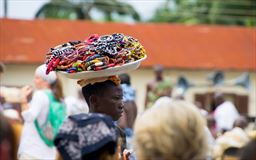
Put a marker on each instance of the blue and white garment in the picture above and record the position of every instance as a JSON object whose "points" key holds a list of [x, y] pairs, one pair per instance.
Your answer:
{"points": [[128, 92]]}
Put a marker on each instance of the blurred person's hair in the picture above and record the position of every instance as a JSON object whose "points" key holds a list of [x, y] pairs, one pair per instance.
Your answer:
{"points": [[171, 129], [57, 90], [241, 122], [125, 79], [96, 89]]}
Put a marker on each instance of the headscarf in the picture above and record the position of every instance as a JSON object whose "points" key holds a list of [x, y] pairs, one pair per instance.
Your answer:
{"points": [[83, 134], [41, 71]]}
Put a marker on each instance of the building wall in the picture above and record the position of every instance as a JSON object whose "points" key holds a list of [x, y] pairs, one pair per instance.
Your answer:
{"points": [[19, 75], [197, 77]]}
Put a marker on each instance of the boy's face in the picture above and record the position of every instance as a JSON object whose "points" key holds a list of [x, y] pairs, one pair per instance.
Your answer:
{"points": [[110, 102]]}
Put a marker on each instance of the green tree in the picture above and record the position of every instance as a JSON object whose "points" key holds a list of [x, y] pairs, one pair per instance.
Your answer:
{"points": [[107, 10], [235, 12]]}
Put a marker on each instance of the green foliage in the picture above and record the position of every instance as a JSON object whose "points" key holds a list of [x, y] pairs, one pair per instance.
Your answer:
{"points": [[232, 12], [60, 11], [110, 10]]}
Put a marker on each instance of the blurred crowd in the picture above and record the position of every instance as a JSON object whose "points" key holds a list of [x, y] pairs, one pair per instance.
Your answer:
{"points": [[102, 123]]}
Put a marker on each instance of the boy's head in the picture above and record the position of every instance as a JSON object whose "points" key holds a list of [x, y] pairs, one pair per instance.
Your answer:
{"points": [[104, 97]]}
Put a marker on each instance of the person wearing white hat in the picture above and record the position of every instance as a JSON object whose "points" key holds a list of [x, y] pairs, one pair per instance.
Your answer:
{"points": [[36, 115]]}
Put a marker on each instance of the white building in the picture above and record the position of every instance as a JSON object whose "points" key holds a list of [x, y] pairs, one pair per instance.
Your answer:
{"points": [[191, 51]]}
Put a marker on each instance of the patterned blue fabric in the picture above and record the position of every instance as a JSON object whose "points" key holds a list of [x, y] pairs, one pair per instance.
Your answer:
{"points": [[128, 92], [83, 134]]}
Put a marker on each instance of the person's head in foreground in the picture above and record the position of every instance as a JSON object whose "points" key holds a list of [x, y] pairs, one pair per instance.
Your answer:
{"points": [[170, 130], [104, 97], [87, 137]]}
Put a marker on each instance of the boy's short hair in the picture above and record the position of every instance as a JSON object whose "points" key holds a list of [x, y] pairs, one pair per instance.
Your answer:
{"points": [[96, 88]]}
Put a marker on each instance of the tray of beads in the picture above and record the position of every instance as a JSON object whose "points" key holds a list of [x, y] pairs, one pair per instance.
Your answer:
{"points": [[97, 56]]}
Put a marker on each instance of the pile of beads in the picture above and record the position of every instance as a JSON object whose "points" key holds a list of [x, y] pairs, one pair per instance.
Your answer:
{"points": [[95, 53]]}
